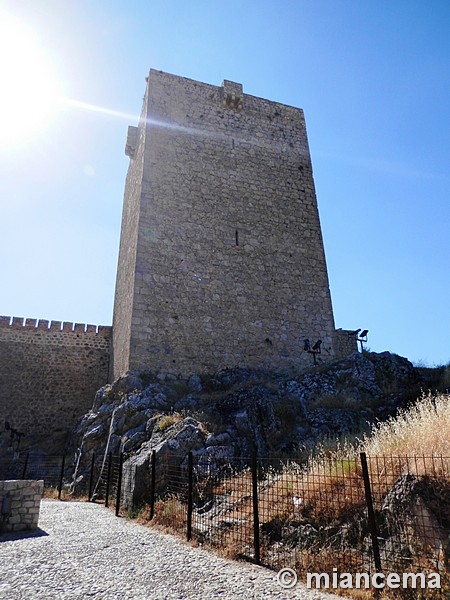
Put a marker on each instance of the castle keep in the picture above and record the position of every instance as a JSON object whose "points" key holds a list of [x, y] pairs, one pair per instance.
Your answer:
{"points": [[221, 259]]}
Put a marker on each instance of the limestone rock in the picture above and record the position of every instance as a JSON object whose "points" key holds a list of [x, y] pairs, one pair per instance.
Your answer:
{"points": [[171, 448], [243, 409], [195, 383]]}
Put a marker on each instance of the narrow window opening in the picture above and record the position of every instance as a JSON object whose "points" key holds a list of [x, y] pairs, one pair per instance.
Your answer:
{"points": [[236, 234], [232, 143]]}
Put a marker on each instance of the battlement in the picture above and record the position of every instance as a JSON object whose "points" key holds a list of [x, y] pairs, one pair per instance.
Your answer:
{"points": [[52, 370], [27, 324], [221, 259]]}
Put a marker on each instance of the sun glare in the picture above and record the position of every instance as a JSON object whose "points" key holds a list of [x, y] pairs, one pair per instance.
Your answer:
{"points": [[30, 87]]}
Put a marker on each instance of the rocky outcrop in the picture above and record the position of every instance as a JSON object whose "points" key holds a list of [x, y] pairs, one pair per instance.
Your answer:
{"points": [[237, 411], [171, 448], [417, 511]]}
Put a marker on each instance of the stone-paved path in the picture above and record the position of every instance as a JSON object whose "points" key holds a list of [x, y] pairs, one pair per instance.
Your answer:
{"points": [[84, 551]]}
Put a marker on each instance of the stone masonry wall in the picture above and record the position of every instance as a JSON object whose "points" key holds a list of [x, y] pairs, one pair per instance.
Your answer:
{"points": [[125, 279], [227, 256], [345, 342], [49, 374], [20, 502]]}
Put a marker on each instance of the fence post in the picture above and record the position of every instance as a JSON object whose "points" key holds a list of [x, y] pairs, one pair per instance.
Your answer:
{"points": [[108, 480], [370, 512], [190, 503], [152, 486], [91, 477], [119, 484], [255, 509], [63, 463], [25, 465]]}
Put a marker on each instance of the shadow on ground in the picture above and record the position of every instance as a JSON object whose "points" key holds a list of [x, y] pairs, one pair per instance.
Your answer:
{"points": [[12, 536]]}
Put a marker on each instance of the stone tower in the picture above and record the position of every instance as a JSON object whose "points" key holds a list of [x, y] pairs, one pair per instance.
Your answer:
{"points": [[221, 258]]}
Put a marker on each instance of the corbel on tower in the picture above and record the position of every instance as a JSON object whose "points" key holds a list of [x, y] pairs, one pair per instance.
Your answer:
{"points": [[132, 140]]}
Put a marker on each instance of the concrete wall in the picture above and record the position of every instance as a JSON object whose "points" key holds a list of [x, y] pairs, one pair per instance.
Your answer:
{"points": [[49, 374], [23, 501], [221, 234]]}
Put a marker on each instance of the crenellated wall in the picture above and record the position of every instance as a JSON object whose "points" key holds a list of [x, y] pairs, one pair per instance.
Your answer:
{"points": [[221, 260], [49, 374]]}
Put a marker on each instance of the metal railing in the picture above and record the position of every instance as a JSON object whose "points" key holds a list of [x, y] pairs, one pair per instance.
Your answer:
{"points": [[354, 514]]}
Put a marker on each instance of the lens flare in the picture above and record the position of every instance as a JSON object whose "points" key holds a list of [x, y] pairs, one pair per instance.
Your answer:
{"points": [[30, 86]]}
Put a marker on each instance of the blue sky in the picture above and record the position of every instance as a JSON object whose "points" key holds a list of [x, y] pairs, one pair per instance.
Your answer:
{"points": [[372, 77]]}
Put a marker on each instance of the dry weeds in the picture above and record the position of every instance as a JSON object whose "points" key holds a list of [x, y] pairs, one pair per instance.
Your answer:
{"points": [[423, 430], [327, 491]]}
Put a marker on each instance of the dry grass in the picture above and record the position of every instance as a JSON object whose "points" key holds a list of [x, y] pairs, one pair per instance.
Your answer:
{"points": [[167, 421], [417, 441], [171, 514], [329, 488], [141, 515], [325, 492], [423, 430], [51, 493], [238, 485]]}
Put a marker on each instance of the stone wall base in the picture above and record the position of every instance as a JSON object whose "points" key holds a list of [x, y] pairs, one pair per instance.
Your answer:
{"points": [[20, 501]]}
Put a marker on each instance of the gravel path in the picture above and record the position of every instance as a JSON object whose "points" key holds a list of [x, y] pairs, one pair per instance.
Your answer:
{"points": [[84, 551]]}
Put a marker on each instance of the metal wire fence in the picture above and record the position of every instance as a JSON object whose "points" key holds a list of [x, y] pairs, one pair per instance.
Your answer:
{"points": [[352, 514], [411, 499], [172, 504], [102, 482], [54, 470], [105, 480], [222, 512]]}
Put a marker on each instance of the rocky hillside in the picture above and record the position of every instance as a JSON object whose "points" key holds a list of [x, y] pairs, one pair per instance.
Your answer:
{"points": [[235, 411]]}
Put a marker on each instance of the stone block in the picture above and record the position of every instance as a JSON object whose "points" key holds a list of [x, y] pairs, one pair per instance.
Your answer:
{"points": [[28, 519], [10, 485], [14, 519]]}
